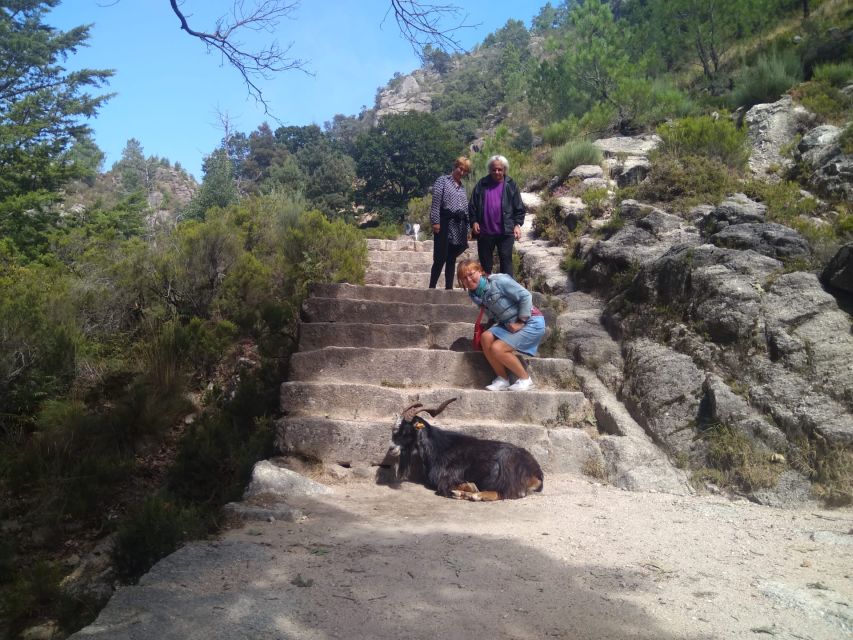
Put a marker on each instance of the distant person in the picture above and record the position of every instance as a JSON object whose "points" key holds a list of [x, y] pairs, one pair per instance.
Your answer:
{"points": [[519, 326], [497, 213], [449, 217]]}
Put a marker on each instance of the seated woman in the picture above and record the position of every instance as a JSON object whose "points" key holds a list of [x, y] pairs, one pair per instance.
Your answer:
{"points": [[519, 326]]}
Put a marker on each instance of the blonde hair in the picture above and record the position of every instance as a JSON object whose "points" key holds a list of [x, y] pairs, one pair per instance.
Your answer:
{"points": [[463, 163], [468, 266]]}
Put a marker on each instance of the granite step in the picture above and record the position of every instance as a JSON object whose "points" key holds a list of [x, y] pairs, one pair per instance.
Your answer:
{"points": [[366, 442], [399, 244], [390, 294], [400, 257], [397, 279], [316, 309], [356, 401], [455, 336], [405, 368]]}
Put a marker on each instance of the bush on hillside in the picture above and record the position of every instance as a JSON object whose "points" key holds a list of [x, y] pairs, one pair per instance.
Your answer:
{"points": [[558, 133], [824, 100], [683, 181], [837, 74], [717, 139], [574, 154], [767, 80]]}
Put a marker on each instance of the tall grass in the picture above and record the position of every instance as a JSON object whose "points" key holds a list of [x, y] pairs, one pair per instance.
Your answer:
{"points": [[574, 154], [768, 79]]}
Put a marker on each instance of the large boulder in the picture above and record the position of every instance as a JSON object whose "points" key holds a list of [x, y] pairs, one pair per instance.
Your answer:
{"points": [[770, 128], [838, 273], [662, 390], [831, 170], [736, 209], [766, 238]]}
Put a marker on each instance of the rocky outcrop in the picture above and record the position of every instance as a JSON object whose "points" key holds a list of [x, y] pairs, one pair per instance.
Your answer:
{"points": [[838, 272], [830, 169], [770, 128], [405, 93], [626, 158]]}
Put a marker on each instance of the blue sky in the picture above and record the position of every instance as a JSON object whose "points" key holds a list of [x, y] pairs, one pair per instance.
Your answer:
{"points": [[171, 92]]}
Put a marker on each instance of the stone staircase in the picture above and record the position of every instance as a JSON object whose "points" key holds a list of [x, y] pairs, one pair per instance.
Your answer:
{"points": [[367, 352]]}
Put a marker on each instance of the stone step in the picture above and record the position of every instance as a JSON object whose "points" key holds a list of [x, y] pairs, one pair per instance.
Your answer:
{"points": [[401, 267], [366, 442], [403, 368], [390, 294], [351, 401], [455, 336], [316, 309], [400, 257], [400, 244], [397, 279]]}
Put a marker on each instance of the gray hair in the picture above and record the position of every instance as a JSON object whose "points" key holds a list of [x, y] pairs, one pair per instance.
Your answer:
{"points": [[500, 159]]}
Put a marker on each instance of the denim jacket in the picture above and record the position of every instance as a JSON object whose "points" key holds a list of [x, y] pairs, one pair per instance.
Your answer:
{"points": [[504, 299]]}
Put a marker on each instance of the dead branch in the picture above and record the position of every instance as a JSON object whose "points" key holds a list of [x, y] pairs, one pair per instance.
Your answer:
{"points": [[421, 24], [264, 15]]}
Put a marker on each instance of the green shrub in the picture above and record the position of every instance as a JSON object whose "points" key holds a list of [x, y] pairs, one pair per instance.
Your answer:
{"points": [[736, 459], [599, 121], [573, 154], [837, 74], [824, 100], [717, 139], [154, 530], [558, 133], [595, 199], [385, 231], [685, 181], [845, 140], [201, 343], [784, 200], [316, 250], [771, 76], [829, 467]]}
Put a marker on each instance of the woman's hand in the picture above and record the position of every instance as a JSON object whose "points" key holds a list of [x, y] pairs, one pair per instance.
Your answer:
{"points": [[515, 327], [436, 228]]}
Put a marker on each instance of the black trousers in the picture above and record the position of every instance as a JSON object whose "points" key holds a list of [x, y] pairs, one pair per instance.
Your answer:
{"points": [[486, 250], [444, 257]]}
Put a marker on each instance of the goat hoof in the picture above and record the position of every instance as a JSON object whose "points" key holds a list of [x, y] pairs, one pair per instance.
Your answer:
{"points": [[475, 497]]}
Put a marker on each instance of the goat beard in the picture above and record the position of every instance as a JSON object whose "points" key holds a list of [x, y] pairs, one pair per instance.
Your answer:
{"points": [[409, 466]]}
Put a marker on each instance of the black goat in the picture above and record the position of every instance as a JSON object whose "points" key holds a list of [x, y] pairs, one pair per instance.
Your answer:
{"points": [[460, 466]]}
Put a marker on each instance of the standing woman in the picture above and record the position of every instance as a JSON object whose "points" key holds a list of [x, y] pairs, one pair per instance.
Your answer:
{"points": [[449, 217], [497, 213], [519, 326]]}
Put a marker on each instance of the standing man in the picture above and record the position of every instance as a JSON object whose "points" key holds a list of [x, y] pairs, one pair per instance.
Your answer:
{"points": [[497, 213]]}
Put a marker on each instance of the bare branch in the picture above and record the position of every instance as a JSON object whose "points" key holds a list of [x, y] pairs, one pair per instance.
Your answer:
{"points": [[264, 15], [421, 24]]}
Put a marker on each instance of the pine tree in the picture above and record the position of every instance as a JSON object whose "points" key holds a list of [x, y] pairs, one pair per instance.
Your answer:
{"points": [[42, 107]]}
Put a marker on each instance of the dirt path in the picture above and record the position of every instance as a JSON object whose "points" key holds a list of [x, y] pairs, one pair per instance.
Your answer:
{"points": [[580, 561]]}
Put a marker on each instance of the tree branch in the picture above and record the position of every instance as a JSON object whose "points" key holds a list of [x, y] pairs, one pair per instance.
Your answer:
{"points": [[253, 66], [421, 24]]}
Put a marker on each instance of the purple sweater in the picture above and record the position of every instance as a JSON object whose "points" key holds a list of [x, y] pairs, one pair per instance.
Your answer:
{"points": [[492, 218]]}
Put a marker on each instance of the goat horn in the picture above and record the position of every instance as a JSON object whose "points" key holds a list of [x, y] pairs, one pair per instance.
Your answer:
{"points": [[435, 412], [410, 411]]}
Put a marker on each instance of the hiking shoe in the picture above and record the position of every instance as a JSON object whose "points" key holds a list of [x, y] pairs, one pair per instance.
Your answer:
{"points": [[522, 384], [498, 384]]}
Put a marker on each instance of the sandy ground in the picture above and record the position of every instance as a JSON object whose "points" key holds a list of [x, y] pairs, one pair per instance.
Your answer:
{"points": [[579, 561]]}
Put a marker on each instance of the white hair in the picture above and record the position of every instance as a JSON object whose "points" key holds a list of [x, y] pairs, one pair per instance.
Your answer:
{"points": [[501, 159]]}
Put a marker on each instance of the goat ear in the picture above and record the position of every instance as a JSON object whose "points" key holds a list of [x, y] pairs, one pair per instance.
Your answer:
{"points": [[418, 424]]}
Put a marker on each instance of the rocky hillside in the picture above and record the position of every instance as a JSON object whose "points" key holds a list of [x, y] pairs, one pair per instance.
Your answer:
{"points": [[734, 358]]}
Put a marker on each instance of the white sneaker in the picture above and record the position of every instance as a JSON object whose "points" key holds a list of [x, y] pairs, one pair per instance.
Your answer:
{"points": [[498, 384], [522, 384]]}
